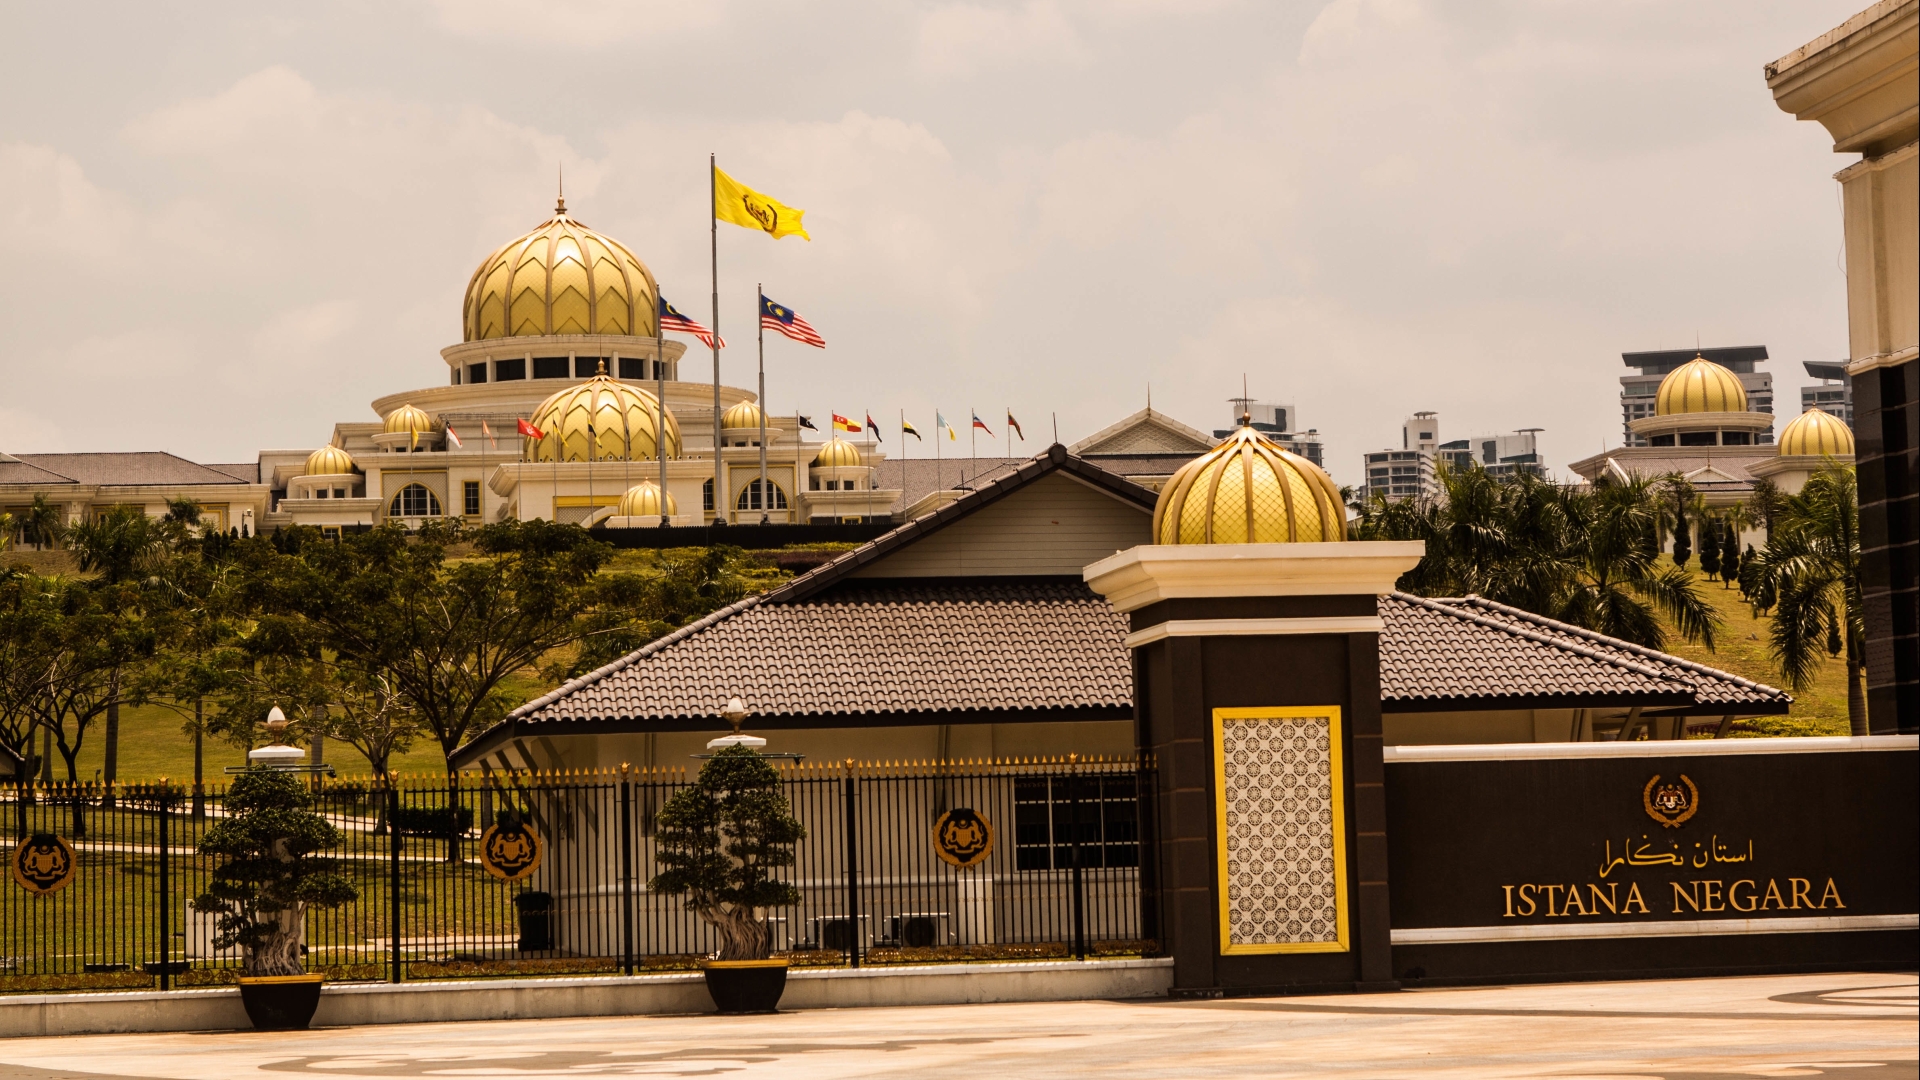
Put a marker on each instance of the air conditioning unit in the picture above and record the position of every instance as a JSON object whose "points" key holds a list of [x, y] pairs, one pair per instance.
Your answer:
{"points": [[919, 929], [838, 932]]}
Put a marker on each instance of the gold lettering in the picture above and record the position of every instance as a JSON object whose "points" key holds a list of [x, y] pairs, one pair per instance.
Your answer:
{"points": [[1595, 898], [1773, 897], [1800, 886], [1634, 897], [1733, 896], [1574, 901], [1833, 892], [1551, 889], [1508, 889], [1686, 894], [1526, 897], [1711, 893]]}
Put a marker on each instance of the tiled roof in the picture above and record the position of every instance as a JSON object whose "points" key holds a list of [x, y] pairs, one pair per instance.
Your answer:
{"points": [[860, 650], [1708, 686], [15, 471], [126, 469], [916, 478], [247, 472]]}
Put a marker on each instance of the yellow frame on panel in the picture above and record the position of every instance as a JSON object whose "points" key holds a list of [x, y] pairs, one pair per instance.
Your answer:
{"points": [[1338, 791]]}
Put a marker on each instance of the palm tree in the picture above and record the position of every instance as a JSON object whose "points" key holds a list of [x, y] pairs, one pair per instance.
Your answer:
{"points": [[1809, 575], [44, 523]]}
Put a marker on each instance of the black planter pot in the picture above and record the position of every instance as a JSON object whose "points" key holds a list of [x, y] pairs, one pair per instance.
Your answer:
{"points": [[280, 1002], [746, 986]]}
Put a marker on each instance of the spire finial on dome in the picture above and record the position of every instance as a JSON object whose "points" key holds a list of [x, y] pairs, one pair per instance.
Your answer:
{"points": [[560, 203], [603, 367]]}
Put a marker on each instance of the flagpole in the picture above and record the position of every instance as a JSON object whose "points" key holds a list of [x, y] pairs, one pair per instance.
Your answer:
{"points": [[939, 475], [660, 403], [760, 304], [713, 205], [973, 445]]}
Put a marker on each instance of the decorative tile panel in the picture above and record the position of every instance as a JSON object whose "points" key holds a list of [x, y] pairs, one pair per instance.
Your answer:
{"points": [[1282, 850]]}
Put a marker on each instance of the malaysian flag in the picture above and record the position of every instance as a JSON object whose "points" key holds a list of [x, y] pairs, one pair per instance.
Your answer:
{"points": [[782, 320], [671, 319]]}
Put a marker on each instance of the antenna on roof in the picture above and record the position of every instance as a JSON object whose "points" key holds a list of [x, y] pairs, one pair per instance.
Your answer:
{"points": [[1056, 427]]}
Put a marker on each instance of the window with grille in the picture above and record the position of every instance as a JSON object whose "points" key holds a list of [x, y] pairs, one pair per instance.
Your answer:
{"points": [[750, 498], [414, 500], [470, 497], [706, 496], [1052, 813]]}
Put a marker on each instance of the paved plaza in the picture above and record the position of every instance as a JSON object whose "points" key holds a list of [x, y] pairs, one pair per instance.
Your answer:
{"points": [[1851, 1026]]}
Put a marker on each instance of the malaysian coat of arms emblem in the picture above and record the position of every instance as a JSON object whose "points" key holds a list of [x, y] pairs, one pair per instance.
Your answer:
{"points": [[510, 849], [962, 837], [44, 863], [1670, 804]]}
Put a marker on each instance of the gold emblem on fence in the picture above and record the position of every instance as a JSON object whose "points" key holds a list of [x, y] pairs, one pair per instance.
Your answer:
{"points": [[962, 837], [510, 850], [43, 863], [1670, 804]]}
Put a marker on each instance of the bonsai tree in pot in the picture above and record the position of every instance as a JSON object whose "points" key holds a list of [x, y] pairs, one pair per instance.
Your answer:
{"points": [[719, 839], [268, 877]]}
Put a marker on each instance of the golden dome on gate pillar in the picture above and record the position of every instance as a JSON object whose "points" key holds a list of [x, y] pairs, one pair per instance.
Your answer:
{"points": [[406, 419], [1818, 434], [624, 420], [561, 278], [838, 453], [643, 500], [1700, 386], [329, 461], [744, 415], [1249, 491]]}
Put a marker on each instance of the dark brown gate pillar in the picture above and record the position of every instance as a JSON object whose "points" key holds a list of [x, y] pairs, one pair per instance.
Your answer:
{"points": [[1257, 691]]}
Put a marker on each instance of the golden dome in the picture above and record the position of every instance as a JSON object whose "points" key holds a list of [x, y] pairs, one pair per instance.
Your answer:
{"points": [[744, 415], [623, 419], [643, 500], [1698, 386], [837, 453], [1249, 491], [406, 418], [561, 278], [329, 461], [1817, 434]]}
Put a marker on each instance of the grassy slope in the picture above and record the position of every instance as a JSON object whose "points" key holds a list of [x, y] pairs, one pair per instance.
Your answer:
{"points": [[1742, 649]]}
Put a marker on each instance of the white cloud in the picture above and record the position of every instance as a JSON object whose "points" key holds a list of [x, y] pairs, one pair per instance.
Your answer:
{"points": [[962, 39]]}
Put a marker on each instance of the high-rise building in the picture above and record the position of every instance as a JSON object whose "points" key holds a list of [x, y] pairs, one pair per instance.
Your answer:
{"points": [[1281, 424], [1834, 394], [1406, 473], [1502, 456], [1637, 391]]}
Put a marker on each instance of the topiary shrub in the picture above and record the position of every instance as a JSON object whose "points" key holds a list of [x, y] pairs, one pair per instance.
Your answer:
{"points": [[719, 839]]}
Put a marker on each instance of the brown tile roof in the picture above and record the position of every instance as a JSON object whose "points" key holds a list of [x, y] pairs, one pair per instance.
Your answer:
{"points": [[127, 469], [247, 472], [15, 471]]}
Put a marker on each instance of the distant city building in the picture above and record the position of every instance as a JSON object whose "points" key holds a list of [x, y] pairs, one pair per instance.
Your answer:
{"points": [[1834, 394], [1502, 456], [1406, 473], [1637, 391], [1280, 423]]}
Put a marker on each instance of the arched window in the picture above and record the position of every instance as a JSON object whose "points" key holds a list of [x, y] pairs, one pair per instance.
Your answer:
{"points": [[750, 498], [414, 501]]}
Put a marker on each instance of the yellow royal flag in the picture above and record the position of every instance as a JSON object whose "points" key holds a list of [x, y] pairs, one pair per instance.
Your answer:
{"points": [[736, 202]]}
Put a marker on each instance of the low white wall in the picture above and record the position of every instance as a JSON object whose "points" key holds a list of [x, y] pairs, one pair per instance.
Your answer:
{"points": [[526, 999]]}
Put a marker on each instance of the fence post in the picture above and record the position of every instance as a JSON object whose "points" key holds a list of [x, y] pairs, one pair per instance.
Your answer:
{"points": [[626, 871], [166, 890], [853, 866], [1079, 879], [393, 878]]}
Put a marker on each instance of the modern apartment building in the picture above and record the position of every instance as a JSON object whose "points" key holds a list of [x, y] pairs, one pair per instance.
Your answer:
{"points": [[1833, 395], [1281, 424], [1406, 473], [1501, 455], [1637, 391]]}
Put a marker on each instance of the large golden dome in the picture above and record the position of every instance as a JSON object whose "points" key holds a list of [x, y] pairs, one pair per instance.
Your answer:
{"points": [[405, 419], [561, 278], [838, 453], [623, 418], [1816, 434], [329, 460], [642, 500], [1249, 491], [1699, 386]]}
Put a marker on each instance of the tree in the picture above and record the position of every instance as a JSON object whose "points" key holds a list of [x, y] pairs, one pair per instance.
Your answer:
{"points": [[1710, 548], [718, 841], [270, 874], [627, 610], [1809, 574], [43, 524], [1730, 552]]}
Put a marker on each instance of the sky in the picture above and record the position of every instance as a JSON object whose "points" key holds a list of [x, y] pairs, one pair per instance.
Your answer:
{"points": [[228, 226]]}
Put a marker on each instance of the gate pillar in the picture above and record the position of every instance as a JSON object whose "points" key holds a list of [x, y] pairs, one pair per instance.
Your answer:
{"points": [[1257, 694]]}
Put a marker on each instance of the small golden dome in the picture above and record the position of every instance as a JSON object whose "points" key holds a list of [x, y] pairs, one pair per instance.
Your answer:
{"points": [[1817, 434], [838, 453], [744, 415], [1699, 386], [406, 419], [561, 278], [329, 461], [643, 500], [623, 418], [1249, 491]]}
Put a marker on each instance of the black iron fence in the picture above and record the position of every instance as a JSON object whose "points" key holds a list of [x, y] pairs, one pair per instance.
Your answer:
{"points": [[901, 863]]}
